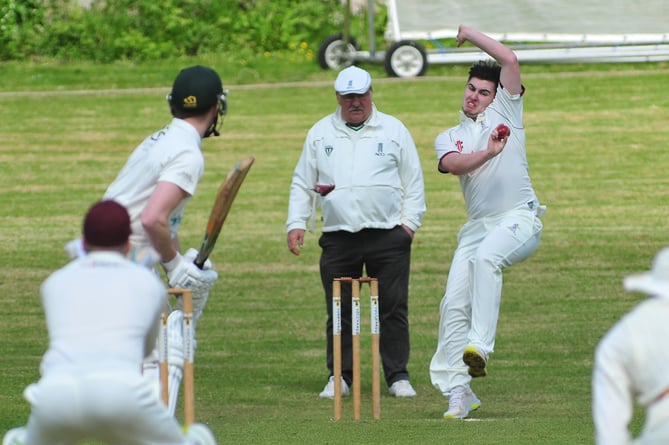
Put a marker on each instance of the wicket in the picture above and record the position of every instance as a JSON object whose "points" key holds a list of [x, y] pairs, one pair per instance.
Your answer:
{"points": [[189, 354], [355, 337]]}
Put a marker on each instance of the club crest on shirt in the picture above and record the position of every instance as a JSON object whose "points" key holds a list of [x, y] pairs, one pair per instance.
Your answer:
{"points": [[459, 145], [379, 149], [328, 149]]}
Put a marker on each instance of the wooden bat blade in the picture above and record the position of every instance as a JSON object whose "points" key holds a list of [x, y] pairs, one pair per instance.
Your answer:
{"points": [[224, 199]]}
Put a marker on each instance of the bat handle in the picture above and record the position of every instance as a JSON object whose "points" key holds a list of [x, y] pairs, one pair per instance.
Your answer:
{"points": [[199, 262]]}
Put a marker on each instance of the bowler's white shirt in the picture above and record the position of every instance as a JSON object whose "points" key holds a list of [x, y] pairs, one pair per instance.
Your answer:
{"points": [[102, 314], [172, 154], [632, 365], [503, 183], [376, 172]]}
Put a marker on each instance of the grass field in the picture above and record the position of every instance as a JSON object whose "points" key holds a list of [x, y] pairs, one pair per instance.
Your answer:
{"points": [[597, 146]]}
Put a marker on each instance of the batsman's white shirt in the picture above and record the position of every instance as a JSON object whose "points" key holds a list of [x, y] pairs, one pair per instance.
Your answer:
{"points": [[632, 366], [102, 314], [172, 154], [376, 171]]}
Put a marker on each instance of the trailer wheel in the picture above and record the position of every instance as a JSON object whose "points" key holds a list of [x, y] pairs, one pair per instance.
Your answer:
{"points": [[334, 53], [406, 58]]}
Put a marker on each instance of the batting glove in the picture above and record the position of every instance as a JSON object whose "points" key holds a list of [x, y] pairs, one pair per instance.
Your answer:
{"points": [[183, 273], [191, 254]]}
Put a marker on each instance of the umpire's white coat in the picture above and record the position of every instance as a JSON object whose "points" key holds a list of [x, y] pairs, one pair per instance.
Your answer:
{"points": [[377, 176]]}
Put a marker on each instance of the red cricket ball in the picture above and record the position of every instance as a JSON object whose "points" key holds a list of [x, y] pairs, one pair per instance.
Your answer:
{"points": [[502, 131], [323, 189]]}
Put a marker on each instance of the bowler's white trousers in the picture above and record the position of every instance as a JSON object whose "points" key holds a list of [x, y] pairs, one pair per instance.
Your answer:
{"points": [[118, 408], [470, 307]]}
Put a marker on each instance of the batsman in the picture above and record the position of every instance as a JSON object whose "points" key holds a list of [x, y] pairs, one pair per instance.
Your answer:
{"points": [[156, 183]]}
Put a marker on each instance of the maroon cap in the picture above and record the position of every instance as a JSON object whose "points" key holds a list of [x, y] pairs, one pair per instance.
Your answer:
{"points": [[106, 224]]}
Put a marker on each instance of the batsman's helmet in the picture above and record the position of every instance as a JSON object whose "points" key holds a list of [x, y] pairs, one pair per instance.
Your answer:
{"points": [[195, 90]]}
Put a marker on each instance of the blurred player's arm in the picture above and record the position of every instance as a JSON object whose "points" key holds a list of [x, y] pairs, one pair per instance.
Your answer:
{"points": [[612, 388]]}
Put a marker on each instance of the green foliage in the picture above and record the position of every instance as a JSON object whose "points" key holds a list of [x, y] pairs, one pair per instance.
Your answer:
{"points": [[110, 30], [20, 20]]}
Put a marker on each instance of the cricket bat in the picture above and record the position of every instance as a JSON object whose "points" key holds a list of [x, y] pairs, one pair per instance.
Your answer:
{"points": [[224, 198]]}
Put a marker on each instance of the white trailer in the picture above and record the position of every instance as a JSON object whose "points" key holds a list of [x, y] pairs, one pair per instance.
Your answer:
{"points": [[539, 31]]}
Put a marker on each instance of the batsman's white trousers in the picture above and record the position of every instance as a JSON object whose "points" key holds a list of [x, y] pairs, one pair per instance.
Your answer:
{"points": [[118, 408], [470, 307]]}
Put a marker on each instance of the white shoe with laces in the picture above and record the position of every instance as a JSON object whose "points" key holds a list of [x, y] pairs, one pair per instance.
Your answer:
{"points": [[402, 388], [328, 391], [461, 402]]}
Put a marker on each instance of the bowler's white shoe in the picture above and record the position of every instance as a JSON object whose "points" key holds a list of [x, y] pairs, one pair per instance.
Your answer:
{"points": [[200, 434], [15, 436], [461, 402], [328, 391], [402, 388]]}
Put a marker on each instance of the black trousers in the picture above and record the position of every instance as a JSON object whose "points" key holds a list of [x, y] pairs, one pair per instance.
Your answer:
{"points": [[385, 255]]}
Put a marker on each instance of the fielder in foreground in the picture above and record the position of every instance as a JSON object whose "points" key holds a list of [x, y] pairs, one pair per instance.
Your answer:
{"points": [[632, 364], [503, 226], [102, 314]]}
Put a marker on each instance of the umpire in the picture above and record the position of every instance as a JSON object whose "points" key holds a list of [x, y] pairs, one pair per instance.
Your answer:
{"points": [[369, 218]]}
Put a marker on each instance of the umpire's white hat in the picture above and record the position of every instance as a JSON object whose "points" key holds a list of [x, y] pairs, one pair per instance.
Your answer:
{"points": [[353, 80], [653, 282]]}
